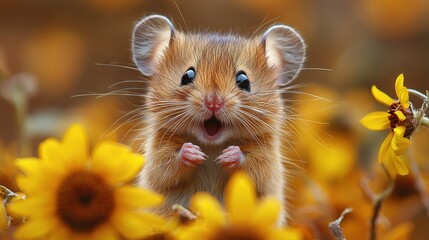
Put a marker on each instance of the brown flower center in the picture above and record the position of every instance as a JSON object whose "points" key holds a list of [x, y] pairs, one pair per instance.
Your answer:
{"points": [[84, 201], [238, 233], [395, 121]]}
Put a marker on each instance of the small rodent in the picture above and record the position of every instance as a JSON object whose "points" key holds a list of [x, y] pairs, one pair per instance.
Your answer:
{"points": [[213, 106]]}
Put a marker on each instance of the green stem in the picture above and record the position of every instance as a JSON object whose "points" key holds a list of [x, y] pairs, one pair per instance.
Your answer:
{"points": [[378, 201]]}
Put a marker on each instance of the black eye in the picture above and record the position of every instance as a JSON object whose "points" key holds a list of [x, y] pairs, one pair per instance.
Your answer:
{"points": [[242, 81], [188, 77]]}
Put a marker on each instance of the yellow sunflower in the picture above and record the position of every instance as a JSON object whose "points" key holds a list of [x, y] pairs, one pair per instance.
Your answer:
{"points": [[4, 219], [399, 118], [72, 195], [246, 218]]}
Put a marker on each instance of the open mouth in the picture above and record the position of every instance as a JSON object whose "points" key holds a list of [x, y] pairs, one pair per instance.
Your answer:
{"points": [[212, 127]]}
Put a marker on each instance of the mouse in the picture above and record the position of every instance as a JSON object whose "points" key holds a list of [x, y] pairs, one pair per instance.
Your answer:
{"points": [[213, 106]]}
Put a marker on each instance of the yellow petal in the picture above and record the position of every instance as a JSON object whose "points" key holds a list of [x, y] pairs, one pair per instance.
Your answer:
{"points": [[403, 96], [35, 228], [399, 166], [27, 185], [197, 232], [400, 115], [384, 153], [208, 209], [381, 96], [54, 156], [156, 221], [34, 207], [130, 225], [4, 219], [399, 83], [133, 197], [267, 212], [289, 234], [50, 150], [60, 233], [116, 163], [399, 143], [76, 139], [240, 197], [36, 185], [30, 165], [104, 232], [376, 121]]}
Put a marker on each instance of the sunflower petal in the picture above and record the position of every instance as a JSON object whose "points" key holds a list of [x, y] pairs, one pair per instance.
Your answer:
{"points": [[37, 207], [60, 233], [240, 197], [399, 166], [194, 232], [155, 221], [376, 121], [130, 225], [267, 213], [134, 197], [381, 96], [208, 209], [116, 162], [404, 96], [104, 232], [399, 83], [76, 139], [55, 157], [34, 229], [36, 185], [29, 165], [284, 233], [399, 143], [384, 154], [49, 151], [400, 115]]}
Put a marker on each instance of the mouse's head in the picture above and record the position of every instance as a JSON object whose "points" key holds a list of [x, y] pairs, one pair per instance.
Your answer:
{"points": [[215, 87]]}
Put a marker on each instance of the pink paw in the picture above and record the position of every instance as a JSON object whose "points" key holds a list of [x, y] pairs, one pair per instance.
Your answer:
{"points": [[231, 157], [191, 155]]}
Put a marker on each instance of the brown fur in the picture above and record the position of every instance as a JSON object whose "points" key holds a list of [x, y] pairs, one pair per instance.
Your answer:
{"points": [[174, 115]]}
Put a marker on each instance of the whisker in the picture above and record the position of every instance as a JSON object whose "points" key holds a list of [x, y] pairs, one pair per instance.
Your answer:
{"points": [[181, 15], [135, 111], [126, 81], [117, 65]]}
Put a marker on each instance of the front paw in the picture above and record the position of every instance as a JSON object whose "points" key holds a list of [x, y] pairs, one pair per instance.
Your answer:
{"points": [[231, 157], [191, 155]]}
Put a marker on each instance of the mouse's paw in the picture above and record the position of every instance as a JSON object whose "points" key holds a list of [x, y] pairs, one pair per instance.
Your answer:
{"points": [[191, 155], [231, 157]]}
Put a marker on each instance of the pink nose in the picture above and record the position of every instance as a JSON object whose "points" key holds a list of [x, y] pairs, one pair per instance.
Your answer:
{"points": [[214, 102]]}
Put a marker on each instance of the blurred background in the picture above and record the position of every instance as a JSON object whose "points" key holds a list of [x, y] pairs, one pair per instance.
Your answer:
{"points": [[54, 52]]}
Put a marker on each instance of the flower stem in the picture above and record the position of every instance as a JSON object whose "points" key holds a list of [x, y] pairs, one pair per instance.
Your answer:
{"points": [[6, 194], [417, 93], [378, 201]]}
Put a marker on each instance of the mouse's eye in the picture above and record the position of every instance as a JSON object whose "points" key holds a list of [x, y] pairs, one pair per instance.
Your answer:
{"points": [[188, 77], [242, 81]]}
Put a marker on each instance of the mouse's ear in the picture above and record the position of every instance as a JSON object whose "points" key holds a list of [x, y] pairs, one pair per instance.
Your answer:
{"points": [[285, 51], [151, 36]]}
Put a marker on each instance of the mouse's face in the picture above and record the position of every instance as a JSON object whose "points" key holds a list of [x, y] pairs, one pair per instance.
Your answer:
{"points": [[217, 88], [212, 87]]}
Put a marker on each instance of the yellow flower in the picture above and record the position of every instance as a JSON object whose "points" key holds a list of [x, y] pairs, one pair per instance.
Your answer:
{"points": [[71, 195], [4, 219], [245, 217], [398, 118]]}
